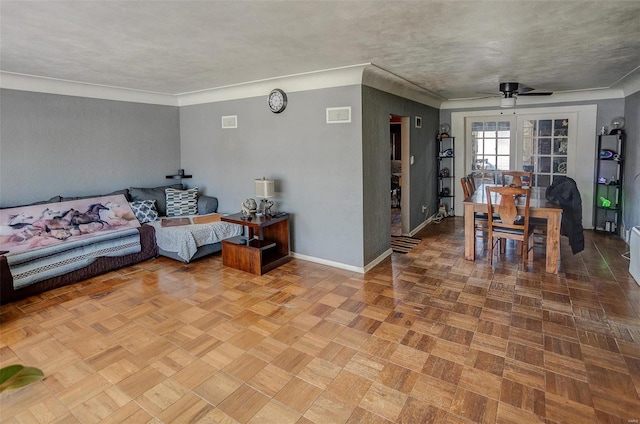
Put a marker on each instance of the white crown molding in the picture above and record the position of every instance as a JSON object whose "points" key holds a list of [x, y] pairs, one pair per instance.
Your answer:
{"points": [[383, 80], [337, 77], [562, 97], [328, 78], [13, 81], [366, 74], [630, 83]]}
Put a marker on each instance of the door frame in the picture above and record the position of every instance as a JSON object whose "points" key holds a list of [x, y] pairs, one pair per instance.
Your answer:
{"points": [[405, 200]]}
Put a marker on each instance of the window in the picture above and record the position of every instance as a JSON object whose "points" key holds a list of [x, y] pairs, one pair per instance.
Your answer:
{"points": [[491, 148], [545, 146]]}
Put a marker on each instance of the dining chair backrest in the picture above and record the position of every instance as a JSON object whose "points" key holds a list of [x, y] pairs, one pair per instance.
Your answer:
{"points": [[472, 182], [464, 181], [506, 208], [517, 178], [506, 223]]}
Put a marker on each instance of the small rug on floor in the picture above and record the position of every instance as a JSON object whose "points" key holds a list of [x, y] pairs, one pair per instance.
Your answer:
{"points": [[403, 244]]}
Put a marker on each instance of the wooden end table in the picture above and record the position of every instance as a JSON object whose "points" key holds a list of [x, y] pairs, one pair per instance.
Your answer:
{"points": [[265, 246]]}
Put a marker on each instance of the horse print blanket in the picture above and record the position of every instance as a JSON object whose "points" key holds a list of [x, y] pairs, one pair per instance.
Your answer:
{"points": [[42, 241]]}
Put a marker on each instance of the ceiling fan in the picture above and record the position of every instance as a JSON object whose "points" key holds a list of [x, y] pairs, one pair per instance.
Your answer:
{"points": [[509, 91]]}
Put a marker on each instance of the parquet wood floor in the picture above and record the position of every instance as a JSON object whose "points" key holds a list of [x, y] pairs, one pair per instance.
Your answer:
{"points": [[425, 337]]}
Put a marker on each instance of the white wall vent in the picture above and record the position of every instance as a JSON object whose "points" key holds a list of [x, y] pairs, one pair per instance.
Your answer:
{"points": [[339, 115], [230, 121]]}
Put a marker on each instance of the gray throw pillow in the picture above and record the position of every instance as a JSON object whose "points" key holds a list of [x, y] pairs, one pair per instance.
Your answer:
{"points": [[156, 193]]}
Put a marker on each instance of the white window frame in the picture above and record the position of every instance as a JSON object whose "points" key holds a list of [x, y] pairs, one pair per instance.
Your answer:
{"points": [[572, 146], [468, 157]]}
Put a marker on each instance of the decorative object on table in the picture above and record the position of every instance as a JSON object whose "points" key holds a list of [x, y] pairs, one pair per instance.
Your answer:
{"points": [[617, 125], [249, 207], [179, 175], [444, 130], [606, 203], [277, 100], [265, 189]]}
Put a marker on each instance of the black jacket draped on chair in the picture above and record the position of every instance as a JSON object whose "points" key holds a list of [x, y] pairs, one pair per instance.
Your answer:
{"points": [[564, 191]]}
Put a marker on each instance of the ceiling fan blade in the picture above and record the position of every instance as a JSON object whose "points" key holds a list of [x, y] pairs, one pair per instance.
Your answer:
{"points": [[524, 89], [536, 93]]}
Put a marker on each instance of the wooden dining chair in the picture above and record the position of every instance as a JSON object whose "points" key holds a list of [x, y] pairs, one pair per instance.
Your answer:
{"points": [[480, 219], [502, 201], [517, 178], [466, 188], [472, 182]]}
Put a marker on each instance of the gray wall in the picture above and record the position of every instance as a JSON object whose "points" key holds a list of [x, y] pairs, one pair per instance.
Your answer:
{"points": [[317, 166], [72, 146], [631, 189], [377, 106]]}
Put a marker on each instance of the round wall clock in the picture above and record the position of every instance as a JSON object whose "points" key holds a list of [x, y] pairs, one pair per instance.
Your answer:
{"points": [[277, 100]]}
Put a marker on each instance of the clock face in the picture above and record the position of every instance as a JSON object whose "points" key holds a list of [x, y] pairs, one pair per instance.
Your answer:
{"points": [[277, 100]]}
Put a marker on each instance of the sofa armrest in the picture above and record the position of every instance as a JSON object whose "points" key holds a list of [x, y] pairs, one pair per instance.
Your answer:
{"points": [[207, 204]]}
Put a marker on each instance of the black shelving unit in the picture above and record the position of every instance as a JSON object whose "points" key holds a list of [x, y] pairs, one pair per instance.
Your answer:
{"points": [[607, 215], [445, 174]]}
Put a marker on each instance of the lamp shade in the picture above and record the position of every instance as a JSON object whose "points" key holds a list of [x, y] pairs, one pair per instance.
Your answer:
{"points": [[265, 188]]}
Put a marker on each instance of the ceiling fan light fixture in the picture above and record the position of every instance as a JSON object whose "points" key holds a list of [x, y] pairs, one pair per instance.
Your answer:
{"points": [[507, 102]]}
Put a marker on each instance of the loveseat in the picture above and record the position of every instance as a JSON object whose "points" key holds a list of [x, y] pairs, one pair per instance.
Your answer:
{"points": [[147, 240]]}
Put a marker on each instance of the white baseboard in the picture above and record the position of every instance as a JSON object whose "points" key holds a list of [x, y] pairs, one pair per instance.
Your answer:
{"points": [[340, 265], [421, 226]]}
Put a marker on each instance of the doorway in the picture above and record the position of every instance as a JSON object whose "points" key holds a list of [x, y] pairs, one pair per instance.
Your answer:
{"points": [[399, 172]]}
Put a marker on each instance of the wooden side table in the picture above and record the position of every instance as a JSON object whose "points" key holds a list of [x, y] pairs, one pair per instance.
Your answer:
{"points": [[257, 255]]}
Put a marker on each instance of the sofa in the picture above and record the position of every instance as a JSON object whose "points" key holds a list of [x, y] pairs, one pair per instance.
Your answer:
{"points": [[147, 239], [194, 233]]}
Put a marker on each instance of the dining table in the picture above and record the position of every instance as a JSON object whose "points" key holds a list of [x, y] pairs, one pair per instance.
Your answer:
{"points": [[539, 207]]}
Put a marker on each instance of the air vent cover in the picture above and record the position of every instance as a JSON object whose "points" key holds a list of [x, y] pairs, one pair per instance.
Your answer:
{"points": [[338, 115], [230, 121]]}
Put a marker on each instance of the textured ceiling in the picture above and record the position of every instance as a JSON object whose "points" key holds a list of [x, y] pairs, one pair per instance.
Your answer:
{"points": [[455, 49]]}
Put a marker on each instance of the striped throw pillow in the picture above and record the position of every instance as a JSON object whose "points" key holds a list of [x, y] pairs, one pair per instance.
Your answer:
{"points": [[182, 202]]}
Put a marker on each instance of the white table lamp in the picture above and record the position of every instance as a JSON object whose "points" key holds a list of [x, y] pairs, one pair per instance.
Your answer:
{"points": [[265, 189]]}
